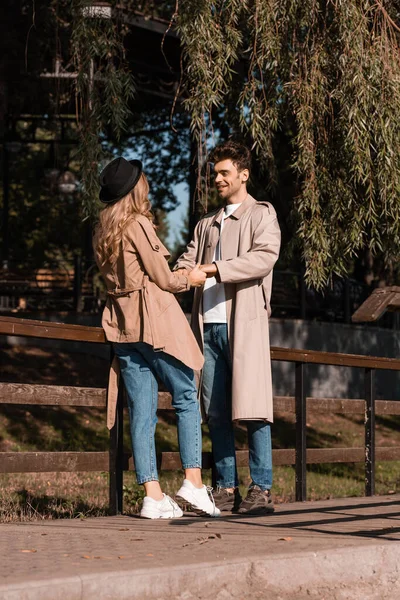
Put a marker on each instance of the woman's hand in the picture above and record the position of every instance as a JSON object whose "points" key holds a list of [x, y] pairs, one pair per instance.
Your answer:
{"points": [[197, 277], [209, 270]]}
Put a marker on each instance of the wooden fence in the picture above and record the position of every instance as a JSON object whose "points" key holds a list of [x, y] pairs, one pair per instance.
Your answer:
{"points": [[115, 461]]}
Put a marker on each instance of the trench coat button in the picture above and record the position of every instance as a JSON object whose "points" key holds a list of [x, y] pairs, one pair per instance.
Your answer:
{"points": [[156, 247]]}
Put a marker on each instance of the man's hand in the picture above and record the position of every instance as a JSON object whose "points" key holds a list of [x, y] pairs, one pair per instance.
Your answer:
{"points": [[197, 277], [210, 270]]}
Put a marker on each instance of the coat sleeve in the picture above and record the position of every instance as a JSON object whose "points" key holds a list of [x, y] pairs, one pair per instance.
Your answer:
{"points": [[153, 256], [260, 259], [188, 259]]}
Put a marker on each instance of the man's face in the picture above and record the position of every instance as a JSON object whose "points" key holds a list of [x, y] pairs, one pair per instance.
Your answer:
{"points": [[228, 179]]}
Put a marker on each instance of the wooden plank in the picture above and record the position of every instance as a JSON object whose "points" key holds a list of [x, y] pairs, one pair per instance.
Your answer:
{"points": [[335, 455], [334, 359], [280, 457], [171, 461], [387, 407], [374, 306], [51, 395], [164, 401], [283, 404], [387, 453], [49, 330], [48, 462], [337, 405]]}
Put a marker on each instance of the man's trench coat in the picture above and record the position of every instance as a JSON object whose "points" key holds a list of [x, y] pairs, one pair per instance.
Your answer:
{"points": [[250, 244]]}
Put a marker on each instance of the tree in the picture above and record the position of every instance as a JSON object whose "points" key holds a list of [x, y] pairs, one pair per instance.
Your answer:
{"points": [[98, 104], [311, 85], [325, 74]]}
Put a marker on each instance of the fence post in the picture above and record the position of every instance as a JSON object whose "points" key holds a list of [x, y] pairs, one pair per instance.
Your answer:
{"points": [[301, 438], [369, 432], [116, 454], [77, 283]]}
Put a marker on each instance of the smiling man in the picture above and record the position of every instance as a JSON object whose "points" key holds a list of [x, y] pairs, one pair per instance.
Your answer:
{"points": [[237, 246]]}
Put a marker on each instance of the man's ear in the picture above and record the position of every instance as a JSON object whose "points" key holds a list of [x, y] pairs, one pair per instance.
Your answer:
{"points": [[244, 175]]}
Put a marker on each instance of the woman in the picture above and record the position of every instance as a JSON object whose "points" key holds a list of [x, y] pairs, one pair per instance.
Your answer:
{"points": [[150, 334]]}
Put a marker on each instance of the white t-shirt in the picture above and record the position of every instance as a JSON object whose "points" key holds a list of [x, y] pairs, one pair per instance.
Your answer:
{"points": [[214, 301]]}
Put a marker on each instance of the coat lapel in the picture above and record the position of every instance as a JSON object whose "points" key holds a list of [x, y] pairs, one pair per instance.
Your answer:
{"points": [[230, 238]]}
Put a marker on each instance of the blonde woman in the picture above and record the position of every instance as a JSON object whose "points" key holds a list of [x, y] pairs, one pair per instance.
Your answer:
{"points": [[150, 334]]}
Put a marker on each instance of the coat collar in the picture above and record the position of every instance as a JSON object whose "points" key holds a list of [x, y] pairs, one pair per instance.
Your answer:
{"points": [[249, 201]]}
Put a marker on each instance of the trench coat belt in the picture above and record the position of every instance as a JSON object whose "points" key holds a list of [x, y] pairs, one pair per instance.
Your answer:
{"points": [[120, 292], [114, 375]]}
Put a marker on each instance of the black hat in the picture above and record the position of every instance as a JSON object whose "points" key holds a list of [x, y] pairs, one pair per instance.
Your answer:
{"points": [[118, 178]]}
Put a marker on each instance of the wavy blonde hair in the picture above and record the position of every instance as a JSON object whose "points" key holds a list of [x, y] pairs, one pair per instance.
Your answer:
{"points": [[115, 218]]}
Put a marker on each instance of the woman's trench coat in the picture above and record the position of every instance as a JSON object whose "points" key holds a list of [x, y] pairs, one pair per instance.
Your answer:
{"points": [[141, 306], [250, 244]]}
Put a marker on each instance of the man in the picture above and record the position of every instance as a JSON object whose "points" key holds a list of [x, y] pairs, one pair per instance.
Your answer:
{"points": [[237, 246]]}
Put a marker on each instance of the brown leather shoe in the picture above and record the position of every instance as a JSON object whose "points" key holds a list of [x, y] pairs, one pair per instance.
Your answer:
{"points": [[227, 501], [257, 502]]}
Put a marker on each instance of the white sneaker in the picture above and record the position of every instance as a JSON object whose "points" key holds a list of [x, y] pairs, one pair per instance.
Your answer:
{"points": [[199, 500], [160, 509]]}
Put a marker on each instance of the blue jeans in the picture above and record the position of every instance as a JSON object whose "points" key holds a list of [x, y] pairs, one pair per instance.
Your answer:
{"points": [[140, 365], [217, 398]]}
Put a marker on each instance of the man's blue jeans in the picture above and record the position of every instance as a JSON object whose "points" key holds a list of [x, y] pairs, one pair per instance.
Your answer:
{"points": [[217, 397], [140, 366]]}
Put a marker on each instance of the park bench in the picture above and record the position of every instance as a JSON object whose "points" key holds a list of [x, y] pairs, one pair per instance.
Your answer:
{"points": [[53, 286], [115, 460]]}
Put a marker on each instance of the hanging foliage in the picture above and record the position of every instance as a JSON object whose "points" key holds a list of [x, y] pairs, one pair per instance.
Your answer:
{"points": [[327, 70], [321, 75], [104, 87]]}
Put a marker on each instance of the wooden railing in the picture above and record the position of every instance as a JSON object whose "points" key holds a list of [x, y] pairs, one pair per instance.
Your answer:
{"points": [[115, 461]]}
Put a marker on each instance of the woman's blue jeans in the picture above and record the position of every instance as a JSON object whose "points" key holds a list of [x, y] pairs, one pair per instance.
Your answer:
{"points": [[217, 398], [140, 366]]}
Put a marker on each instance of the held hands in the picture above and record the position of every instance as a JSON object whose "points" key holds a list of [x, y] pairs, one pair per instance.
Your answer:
{"points": [[197, 276], [209, 270]]}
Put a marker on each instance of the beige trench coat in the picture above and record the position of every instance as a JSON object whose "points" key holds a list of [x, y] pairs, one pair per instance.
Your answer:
{"points": [[141, 306], [250, 246]]}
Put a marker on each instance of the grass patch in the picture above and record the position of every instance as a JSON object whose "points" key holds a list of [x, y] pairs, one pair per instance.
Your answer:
{"points": [[40, 496]]}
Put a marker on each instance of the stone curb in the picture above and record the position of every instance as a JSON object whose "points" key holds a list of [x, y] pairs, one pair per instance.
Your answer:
{"points": [[354, 573]]}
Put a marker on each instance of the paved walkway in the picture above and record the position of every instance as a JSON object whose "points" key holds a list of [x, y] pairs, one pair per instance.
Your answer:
{"points": [[337, 549]]}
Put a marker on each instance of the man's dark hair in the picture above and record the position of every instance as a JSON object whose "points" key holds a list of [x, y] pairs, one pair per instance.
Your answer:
{"points": [[239, 154]]}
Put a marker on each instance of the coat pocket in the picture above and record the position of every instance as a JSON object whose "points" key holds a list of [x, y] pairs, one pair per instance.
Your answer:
{"points": [[260, 305], [160, 300], [267, 303], [249, 301]]}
